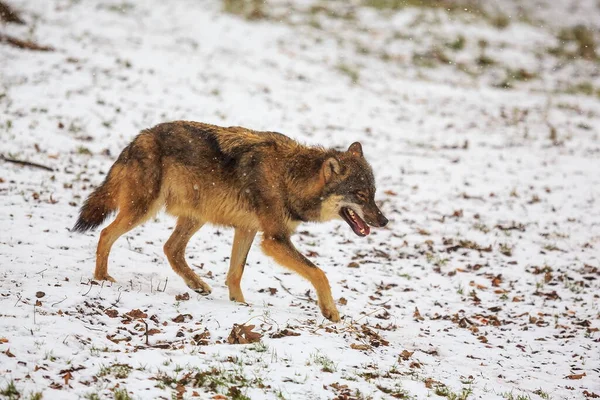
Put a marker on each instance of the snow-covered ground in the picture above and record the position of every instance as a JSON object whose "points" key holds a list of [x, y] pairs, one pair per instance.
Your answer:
{"points": [[484, 139]]}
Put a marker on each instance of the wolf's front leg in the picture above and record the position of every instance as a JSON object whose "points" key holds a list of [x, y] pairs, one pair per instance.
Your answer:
{"points": [[284, 252], [241, 245]]}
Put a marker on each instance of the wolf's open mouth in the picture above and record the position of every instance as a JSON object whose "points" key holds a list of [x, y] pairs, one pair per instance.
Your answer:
{"points": [[359, 226]]}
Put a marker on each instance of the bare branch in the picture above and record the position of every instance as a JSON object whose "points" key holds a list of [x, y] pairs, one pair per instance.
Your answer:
{"points": [[21, 162], [23, 44]]}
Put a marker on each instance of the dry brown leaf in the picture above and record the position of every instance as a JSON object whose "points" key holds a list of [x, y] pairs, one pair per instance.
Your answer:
{"points": [[242, 334], [366, 334], [137, 314], [201, 339], [182, 318], [40, 294], [272, 291], [497, 280], [283, 333], [111, 313], [342, 301], [182, 297], [67, 377], [356, 346], [114, 339], [405, 355], [3, 340], [417, 315], [575, 376], [8, 353], [430, 383]]}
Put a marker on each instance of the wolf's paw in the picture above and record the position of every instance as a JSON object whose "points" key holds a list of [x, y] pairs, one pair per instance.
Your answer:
{"points": [[238, 298], [200, 288], [105, 278], [203, 291], [236, 295], [331, 314]]}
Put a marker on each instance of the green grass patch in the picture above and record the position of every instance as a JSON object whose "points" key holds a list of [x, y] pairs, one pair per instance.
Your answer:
{"points": [[119, 371], [232, 383], [248, 9], [10, 391], [496, 18], [121, 394], [585, 88], [349, 71]]}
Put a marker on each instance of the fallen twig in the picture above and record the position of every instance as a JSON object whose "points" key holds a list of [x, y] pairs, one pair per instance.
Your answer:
{"points": [[146, 324], [90, 288], [58, 302], [21, 162], [165, 287], [290, 292], [114, 305], [23, 44], [18, 299], [93, 329]]}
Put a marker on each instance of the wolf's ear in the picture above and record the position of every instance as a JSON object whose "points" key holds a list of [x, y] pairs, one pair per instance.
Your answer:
{"points": [[355, 149], [330, 168]]}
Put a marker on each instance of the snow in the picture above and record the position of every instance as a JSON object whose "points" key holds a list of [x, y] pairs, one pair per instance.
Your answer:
{"points": [[458, 161]]}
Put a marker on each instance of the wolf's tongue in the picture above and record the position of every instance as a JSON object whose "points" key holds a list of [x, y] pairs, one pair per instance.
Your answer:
{"points": [[363, 228], [359, 226]]}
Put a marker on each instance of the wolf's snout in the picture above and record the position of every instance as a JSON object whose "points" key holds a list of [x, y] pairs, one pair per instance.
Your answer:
{"points": [[374, 216], [383, 221]]}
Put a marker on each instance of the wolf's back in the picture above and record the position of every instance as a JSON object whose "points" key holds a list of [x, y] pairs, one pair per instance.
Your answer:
{"points": [[174, 153]]}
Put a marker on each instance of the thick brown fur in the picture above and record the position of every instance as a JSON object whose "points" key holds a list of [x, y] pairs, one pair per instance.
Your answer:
{"points": [[252, 181]]}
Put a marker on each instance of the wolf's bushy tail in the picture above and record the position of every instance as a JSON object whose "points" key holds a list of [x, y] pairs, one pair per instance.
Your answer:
{"points": [[97, 207]]}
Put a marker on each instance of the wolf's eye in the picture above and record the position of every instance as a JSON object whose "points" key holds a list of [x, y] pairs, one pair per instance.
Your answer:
{"points": [[362, 197]]}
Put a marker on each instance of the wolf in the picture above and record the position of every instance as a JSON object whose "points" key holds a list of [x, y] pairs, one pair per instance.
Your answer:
{"points": [[236, 177]]}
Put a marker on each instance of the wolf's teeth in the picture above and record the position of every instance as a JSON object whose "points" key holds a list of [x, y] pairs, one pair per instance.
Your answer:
{"points": [[351, 212]]}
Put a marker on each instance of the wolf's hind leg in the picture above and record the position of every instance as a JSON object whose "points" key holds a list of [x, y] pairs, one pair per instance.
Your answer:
{"points": [[242, 241], [175, 251], [124, 222]]}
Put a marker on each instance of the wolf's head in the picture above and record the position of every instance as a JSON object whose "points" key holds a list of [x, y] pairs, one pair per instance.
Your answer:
{"points": [[349, 191]]}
